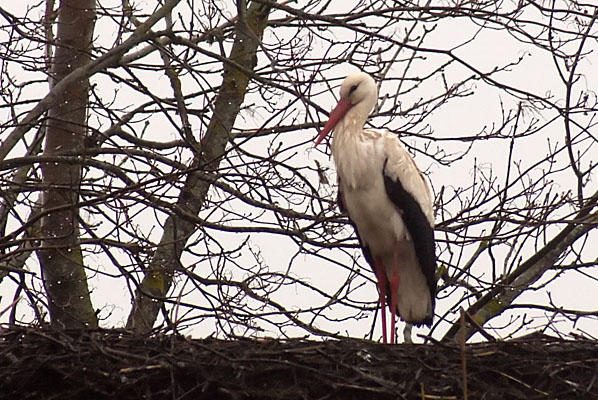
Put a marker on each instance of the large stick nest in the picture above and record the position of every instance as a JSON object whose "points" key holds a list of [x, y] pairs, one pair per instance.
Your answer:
{"points": [[36, 364]]}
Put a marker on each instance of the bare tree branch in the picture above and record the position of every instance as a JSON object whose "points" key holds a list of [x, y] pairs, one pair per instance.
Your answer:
{"points": [[159, 275]]}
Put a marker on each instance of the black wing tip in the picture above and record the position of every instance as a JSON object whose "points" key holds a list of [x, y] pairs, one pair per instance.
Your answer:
{"points": [[424, 322], [428, 320], [421, 231]]}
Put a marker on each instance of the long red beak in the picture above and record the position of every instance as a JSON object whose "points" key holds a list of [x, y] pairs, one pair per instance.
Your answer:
{"points": [[336, 115]]}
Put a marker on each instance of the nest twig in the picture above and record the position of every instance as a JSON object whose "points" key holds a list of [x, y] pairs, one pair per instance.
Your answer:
{"points": [[101, 364]]}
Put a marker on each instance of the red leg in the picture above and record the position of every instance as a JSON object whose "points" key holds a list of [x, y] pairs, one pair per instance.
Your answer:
{"points": [[381, 278]]}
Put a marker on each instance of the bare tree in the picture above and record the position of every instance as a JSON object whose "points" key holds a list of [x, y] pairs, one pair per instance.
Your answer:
{"points": [[60, 255], [188, 181]]}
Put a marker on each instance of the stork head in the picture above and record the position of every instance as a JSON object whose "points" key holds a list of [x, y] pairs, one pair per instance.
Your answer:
{"points": [[359, 95]]}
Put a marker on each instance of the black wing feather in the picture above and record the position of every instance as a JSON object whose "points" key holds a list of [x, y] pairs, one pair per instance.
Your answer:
{"points": [[420, 230]]}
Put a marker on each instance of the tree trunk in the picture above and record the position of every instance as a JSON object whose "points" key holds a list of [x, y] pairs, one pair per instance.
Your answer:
{"points": [[159, 275], [60, 255]]}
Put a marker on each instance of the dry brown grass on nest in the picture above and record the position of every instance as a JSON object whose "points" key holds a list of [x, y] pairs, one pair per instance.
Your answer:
{"points": [[36, 364]]}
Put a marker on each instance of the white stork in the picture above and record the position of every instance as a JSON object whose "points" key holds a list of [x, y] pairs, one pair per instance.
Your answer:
{"points": [[388, 202]]}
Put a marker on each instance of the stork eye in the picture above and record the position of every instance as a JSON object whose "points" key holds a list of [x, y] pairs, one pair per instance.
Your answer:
{"points": [[353, 88]]}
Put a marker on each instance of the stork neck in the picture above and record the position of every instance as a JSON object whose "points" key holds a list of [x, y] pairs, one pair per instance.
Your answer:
{"points": [[353, 122], [348, 133]]}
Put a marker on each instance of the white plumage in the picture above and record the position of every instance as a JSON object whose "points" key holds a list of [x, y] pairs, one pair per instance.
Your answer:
{"points": [[388, 201]]}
